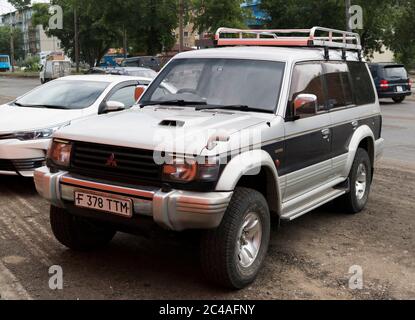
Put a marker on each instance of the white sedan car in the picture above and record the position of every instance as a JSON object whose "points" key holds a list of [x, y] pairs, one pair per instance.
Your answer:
{"points": [[27, 124]]}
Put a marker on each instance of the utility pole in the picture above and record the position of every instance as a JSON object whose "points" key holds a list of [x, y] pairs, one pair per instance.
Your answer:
{"points": [[11, 42], [348, 16], [76, 39], [181, 26], [125, 42]]}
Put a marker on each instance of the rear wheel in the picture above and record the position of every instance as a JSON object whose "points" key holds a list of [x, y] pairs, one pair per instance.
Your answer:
{"points": [[78, 233], [399, 99], [360, 182], [233, 254]]}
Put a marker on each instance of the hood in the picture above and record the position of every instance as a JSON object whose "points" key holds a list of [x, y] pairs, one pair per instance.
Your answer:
{"points": [[170, 129], [13, 119]]}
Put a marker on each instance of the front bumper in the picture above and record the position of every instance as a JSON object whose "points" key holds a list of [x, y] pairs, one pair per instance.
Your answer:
{"points": [[174, 210], [22, 157], [379, 148]]}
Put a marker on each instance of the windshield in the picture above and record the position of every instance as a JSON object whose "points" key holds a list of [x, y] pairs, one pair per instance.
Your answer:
{"points": [[219, 82], [396, 72], [64, 94]]}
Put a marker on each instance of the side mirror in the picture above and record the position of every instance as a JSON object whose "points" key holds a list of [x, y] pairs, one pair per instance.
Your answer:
{"points": [[305, 104], [114, 106], [139, 92]]}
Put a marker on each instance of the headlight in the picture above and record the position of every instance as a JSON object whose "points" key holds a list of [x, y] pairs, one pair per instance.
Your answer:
{"points": [[37, 134], [181, 170], [59, 153]]}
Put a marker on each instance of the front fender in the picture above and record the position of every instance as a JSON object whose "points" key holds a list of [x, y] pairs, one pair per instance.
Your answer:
{"points": [[251, 163]]}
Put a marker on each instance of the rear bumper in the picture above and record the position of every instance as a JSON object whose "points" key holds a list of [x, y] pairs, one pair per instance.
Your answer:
{"points": [[174, 210], [383, 94]]}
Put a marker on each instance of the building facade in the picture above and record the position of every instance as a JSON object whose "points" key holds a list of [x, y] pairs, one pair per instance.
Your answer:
{"points": [[35, 39]]}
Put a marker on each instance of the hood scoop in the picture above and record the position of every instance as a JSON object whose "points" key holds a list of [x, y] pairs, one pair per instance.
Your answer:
{"points": [[172, 123]]}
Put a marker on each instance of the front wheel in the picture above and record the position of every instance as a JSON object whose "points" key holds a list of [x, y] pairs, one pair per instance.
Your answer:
{"points": [[232, 255], [360, 182], [78, 233]]}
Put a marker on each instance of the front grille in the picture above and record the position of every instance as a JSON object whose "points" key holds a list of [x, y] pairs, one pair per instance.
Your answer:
{"points": [[21, 164], [114, 161]]}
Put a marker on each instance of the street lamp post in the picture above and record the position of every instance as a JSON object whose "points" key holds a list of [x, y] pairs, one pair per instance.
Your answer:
{"points": [[76, 39], [11, 42], [181, 26]]}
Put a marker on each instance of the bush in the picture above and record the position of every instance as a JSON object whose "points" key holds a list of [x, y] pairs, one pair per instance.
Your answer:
{"points": [[31, 64]]}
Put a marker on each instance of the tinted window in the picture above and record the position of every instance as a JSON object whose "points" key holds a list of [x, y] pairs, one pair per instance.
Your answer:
{"points": [[338, 85], [362, 83], [395, 73], [308, 79], [220, 82], [125, 95], [65, 94]]}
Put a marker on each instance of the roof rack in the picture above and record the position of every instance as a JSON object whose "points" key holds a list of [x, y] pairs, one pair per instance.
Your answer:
{"points": [[314, 37]]}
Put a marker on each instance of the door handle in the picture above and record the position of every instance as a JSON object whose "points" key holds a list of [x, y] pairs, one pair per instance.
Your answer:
{"points": [[326, 133]]}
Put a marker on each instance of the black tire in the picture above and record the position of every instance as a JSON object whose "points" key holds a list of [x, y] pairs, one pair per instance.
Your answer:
{"points": [[351, 202], [42, 81], [399, 99], [219, 252], [78, 233]]}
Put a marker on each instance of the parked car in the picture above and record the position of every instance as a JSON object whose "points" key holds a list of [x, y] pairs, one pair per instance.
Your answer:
{"points": [[153, 63], [27, 124], [250, 136], [54, 69], [392, 81], [133, 71]]}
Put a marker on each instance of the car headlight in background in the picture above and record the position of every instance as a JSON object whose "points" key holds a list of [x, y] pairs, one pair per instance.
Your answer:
{"points": [[59, 153], [36, 134], [184, 171]]}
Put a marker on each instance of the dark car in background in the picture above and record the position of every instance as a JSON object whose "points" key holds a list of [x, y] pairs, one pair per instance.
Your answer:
{"points": [[149, 62], [392, 81], [133, 71]]}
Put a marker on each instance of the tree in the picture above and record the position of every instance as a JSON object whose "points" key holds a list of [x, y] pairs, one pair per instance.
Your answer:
{"points": [[5, 42], [212, 14], [400, 38], [331, 14]]}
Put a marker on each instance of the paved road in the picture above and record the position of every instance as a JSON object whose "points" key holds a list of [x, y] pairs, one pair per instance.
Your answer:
{"points": [[309, 258], [11, 88]]}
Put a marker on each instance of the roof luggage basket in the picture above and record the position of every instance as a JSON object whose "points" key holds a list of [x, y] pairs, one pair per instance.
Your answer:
{"points": [[314, 37]]}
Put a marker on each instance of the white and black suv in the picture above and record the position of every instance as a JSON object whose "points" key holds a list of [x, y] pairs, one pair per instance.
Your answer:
{"points": [[224, 141]]}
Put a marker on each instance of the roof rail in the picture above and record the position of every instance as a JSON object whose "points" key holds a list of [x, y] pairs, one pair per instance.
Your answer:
{"points": [[314, 37]]}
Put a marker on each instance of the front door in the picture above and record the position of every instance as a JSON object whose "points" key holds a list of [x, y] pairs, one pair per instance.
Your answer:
{"points": [[307, 153]]}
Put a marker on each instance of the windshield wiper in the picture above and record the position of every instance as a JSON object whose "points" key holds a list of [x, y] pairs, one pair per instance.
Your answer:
{"points": [[237, 107], [180, 103], [40, 106]]}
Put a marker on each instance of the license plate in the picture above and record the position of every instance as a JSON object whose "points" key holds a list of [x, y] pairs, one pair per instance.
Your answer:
{"points": [[399, 89], [104, 202]]}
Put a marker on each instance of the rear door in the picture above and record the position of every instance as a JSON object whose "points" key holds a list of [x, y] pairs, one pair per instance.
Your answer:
{"points": [[308, 140]]}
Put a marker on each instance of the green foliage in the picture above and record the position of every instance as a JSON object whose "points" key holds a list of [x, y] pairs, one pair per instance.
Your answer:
{"points": [[331, 14], [20, 4], [148, 23], [31, 64], [5, 42], [212, 14]]}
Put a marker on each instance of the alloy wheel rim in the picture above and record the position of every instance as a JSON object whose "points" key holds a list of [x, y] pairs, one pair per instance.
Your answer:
{"points": [[249, 240], [361, 181]]}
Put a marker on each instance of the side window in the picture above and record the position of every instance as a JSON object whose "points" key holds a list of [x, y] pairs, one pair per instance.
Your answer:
{"points": [[362, 83], [308, 79], [125, 95], [339, 89]]}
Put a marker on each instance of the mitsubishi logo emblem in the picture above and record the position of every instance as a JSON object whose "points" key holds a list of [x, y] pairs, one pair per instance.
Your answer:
{"points": [[111, 162]]}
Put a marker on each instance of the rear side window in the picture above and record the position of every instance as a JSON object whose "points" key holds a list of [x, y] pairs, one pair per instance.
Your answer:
{"points": [[308, 78], [361, 83], [339, 89]]}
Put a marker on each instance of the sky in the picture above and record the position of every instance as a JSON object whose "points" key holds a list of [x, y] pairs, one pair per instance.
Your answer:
{"points": [[5, 7]]}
